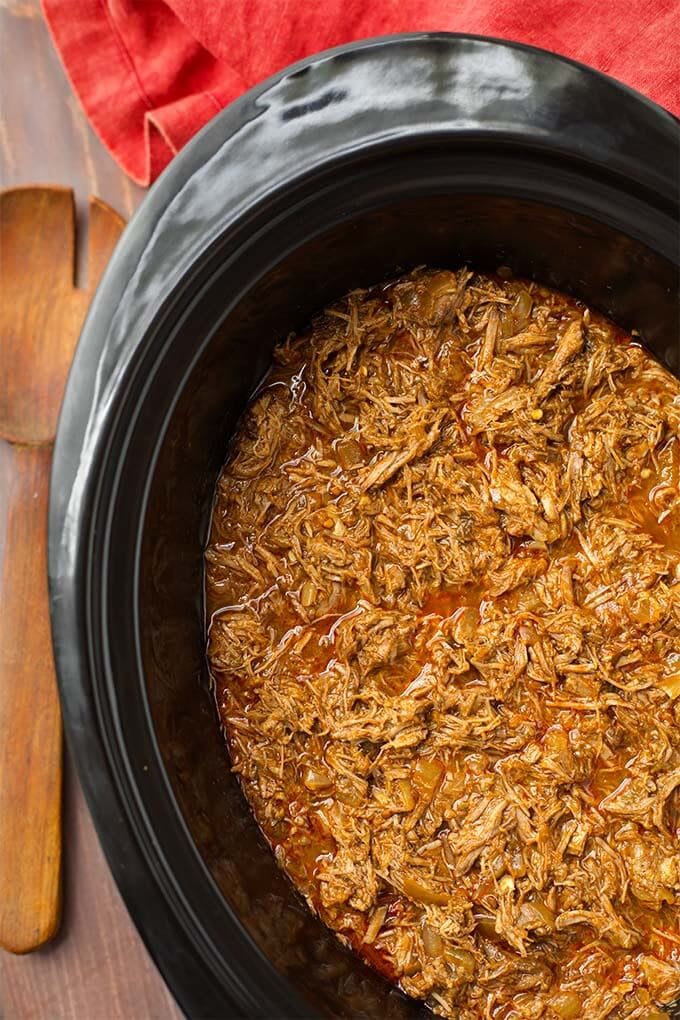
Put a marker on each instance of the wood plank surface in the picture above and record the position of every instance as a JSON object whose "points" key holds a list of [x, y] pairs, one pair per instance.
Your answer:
{"points": [[97, 967]]}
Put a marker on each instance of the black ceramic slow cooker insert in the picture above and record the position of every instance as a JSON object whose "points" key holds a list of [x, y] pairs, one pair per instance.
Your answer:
{"points": [[341, 171]]}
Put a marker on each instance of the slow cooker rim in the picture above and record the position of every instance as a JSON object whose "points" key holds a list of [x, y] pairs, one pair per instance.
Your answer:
{"points": [[208, 140], [65, 579]]}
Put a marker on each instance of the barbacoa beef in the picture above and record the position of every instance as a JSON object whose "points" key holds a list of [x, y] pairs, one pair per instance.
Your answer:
{"points": [[444, 586]]}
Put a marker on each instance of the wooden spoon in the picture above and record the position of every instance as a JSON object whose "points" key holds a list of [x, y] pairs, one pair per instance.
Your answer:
{"points": [[41, 313]]}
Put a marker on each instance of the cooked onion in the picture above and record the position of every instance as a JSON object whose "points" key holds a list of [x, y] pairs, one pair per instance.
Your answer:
{"points": [[671, 685], [375, 924], [427, 773], [315, 779], [521, 308], [422, 894], [432, 941], [535, 914], [463, 963], [567, 1005]]}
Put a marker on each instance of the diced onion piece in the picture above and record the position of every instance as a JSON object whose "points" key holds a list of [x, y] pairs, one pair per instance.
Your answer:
{"points": [[506, 884], [421, 894], [670, 685], [535, 914], [517, 866], [427, 773], [316, 779], [486, 924], [432, 941], [351, 791], [498, 865], [606, 781], [408, 801], [462, 961], [349, 453], [556, 743], [521, 309], [566, 1005], [375, 924]]}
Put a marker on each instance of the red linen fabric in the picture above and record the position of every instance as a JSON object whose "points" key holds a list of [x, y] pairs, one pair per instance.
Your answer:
{"points": [[150, 73]]}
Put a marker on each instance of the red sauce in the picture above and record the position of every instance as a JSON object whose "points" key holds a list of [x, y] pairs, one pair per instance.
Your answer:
{"points": [[646, 502], [446, 603], [376, 957]]}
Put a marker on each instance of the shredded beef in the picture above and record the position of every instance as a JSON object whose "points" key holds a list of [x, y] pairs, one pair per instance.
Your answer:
{"points": [[444, 590]]}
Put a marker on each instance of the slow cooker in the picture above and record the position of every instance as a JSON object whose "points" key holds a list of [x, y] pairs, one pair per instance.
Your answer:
{"points": [[340, 171]]}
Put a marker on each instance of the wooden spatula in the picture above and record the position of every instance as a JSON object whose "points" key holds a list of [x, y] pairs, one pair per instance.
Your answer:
{"points": [[41, 313]]}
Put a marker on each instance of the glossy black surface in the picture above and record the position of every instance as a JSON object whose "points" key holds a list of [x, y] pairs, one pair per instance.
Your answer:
{"points": [[338, 172]]}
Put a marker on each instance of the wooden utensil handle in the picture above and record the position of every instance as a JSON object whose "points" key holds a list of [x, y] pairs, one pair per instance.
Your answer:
{"points": [[30, 723]]}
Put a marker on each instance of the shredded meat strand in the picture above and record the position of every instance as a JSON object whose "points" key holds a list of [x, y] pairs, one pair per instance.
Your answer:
{"points": [[443, 581]]}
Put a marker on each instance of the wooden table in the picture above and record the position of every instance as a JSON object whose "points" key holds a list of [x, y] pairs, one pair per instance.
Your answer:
{"points": [[97, 968]]}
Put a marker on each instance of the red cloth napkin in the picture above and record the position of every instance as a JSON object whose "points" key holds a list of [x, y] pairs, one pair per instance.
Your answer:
{"points": [[150, 73]]}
